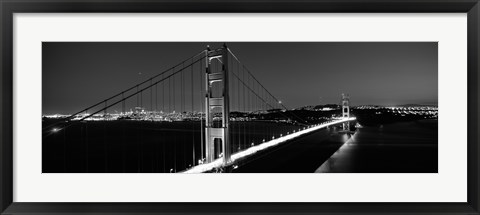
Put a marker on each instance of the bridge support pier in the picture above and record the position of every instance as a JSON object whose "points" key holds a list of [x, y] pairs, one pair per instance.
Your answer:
{"points": [[214, 133]]}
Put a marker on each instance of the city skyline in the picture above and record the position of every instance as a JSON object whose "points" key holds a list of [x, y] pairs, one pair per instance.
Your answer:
{"points": [[185, 108], [76, 75]]}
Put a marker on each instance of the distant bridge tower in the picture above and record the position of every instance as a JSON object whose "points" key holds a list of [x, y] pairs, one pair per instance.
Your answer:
{"points": [[346, 111], [214, 134]]}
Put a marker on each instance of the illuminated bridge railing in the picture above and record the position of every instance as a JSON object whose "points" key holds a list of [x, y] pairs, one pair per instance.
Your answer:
{"points": [[240, 155], [158, 125]]}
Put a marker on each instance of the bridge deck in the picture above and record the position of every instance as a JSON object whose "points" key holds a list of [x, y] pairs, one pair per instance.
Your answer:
{"points": [[254, 149]]}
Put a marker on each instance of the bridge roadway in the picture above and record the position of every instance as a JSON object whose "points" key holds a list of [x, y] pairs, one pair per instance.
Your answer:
{"points": [[254, 149]]}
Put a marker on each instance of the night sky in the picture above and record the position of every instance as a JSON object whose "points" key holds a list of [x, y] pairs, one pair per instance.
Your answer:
{"points": [[78, 74]]}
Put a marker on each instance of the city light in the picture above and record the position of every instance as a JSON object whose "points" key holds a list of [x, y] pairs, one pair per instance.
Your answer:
{"points": [[140, 114]]}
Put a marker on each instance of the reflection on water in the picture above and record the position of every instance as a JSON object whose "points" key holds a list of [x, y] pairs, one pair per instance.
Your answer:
{"points": [[406, 147], [336, 159]]}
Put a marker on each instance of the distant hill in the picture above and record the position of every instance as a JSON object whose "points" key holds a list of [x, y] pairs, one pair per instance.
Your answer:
{"points": [[314, 107]]}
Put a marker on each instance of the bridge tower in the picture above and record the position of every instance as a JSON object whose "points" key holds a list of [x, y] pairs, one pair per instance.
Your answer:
{"points": [[346, 111], [214, 133]]}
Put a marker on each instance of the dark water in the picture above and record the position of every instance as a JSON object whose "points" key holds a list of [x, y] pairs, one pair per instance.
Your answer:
{"points": [[139, 146], [405, 147], [145, 147]]}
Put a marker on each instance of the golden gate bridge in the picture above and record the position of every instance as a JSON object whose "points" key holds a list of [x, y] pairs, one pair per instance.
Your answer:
{"points": [[230, 116]]}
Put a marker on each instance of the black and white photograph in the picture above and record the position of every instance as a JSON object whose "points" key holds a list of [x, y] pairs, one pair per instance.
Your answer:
{"points": [[239, 107]]}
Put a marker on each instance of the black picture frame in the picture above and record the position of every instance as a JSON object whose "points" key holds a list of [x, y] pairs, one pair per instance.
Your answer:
{"points": [[9, 7]]}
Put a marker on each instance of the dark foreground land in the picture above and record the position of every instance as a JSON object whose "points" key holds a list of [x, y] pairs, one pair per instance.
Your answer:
{"points": [[403, 147]]}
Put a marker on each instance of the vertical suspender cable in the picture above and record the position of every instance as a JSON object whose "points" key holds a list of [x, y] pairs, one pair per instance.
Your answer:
{"points": [[171, 109], [141, 133], [105, 137], [174, 136], [182, 96], [123, 134], [151, 97], [164, 142], [202, 98], [249, 109], [192, 110], [252, 109], [244, 111], [239, 109], [156, 99]]}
